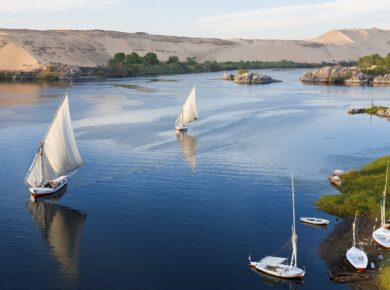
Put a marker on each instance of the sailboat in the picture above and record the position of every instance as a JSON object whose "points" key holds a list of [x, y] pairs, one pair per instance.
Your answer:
{"points": [[57, 155], [382, 235], [188, 112], [357, 257], [279, 266]]}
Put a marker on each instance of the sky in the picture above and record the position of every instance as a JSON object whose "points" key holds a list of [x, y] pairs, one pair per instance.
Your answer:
{"points": [[276, 19]]}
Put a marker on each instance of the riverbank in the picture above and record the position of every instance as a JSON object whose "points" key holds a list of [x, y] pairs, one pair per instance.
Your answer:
{"points": [[360, 190], [57, 71], [379, 111]]}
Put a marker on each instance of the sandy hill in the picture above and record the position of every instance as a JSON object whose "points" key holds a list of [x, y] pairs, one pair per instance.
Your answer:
{"points": [[22, 49]]}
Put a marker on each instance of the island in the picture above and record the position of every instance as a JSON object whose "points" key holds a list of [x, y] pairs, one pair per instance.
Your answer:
{"points": [[379, 111], [246, 77], [370, 70]]}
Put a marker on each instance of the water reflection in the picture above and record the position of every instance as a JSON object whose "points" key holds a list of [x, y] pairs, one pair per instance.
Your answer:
{"points": [[61, 227], [188, 146], [18, 94]]}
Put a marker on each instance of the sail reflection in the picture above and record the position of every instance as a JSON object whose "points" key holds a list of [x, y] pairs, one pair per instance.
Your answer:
{"points": [[61, 227], [188, 146]]}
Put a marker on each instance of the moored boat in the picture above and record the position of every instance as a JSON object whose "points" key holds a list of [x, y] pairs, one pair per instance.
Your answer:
{"points": [[279, 266], [356, 256], [314, 221], [382, 234]]}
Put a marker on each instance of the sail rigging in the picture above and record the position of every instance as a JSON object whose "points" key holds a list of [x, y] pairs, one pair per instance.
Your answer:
{"points": [[383, 206], [58, 153], [294, 235], [188, 112]]}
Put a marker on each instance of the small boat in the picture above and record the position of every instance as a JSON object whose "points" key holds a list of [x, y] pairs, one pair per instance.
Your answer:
{"points": [[382, 234], [57, 156], [188, 113], [314, 221], [357, 257], [279, 266]]}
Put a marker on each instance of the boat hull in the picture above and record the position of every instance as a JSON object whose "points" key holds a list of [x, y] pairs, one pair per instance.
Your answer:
{"points": [[357, 258], [38, 192], [283, 271], [182, 129], [314, 221], [382, 237]]}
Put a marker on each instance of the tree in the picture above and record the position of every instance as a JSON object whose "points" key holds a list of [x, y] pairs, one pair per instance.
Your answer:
{"points": [[173, 59], [133, 58], [119, 57], [387, 59], [150, 58], [191, 60]]}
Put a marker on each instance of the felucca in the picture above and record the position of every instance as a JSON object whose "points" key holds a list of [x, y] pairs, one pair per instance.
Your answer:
{"points": [[57, 156], [279, 266], [188, 112], [382, 235], [357, 257]]}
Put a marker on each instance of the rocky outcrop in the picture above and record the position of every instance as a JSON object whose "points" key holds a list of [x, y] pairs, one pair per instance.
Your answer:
{"points": [[382, 80], [336, 74], [249, 78]]}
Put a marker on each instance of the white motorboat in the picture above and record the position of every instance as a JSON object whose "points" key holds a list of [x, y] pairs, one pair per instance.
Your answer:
{"points": [[187, 113], [57, 155], [357, 257], [382, 234], [279, 266], [314, 221]]}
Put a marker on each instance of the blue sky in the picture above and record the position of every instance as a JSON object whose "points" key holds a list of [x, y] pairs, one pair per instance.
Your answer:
{"points": [[276, 19]]}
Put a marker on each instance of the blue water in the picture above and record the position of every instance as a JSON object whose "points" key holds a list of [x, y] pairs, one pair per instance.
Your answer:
{"points": [[150, 210]]}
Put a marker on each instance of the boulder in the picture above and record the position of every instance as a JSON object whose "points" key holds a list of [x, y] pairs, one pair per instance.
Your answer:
{"points": [[336, 74], [249, 78], [382, 80]]}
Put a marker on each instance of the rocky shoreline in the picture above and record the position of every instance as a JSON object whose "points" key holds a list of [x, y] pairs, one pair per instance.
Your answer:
{"points": [[343, 75], [249, 78], [379, 111]]}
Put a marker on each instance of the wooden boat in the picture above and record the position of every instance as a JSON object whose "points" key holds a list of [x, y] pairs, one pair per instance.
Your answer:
{"points": [[382, 234], [57, 156], [187, 113], [279, 266], [357, 257], [314, 221]]}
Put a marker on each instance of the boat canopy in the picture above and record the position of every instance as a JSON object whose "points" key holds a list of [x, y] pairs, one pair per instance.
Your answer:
{"points": [[273, 260]]}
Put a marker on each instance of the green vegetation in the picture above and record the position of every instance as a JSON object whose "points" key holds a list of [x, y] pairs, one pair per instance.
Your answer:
{"points": [[385, 276], [5, 76], [374, 64], [360, 190], [373, 110], [133, 64]]}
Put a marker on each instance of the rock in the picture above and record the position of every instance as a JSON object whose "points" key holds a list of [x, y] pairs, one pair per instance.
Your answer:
{"points": [[383, 113], [336, 74], [249, 78], [382, 80], [353, 111], [228, 77]]}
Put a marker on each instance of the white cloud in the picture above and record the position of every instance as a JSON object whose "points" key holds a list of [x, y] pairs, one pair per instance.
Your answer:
{"points": [[297, 21], [27, 6]]}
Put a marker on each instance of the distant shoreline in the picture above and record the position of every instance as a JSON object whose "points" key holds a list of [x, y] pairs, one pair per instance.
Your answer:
{"points": [[60, 72]]}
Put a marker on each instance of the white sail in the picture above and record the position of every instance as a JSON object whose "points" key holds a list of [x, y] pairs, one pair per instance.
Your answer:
{"points": [[188, 112], [294, 235], [58, 153]]}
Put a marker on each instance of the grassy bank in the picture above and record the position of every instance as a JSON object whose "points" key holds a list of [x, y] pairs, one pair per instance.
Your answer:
{"points": [[361, 190]]}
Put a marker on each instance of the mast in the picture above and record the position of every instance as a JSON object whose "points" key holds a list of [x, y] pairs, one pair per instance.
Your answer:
{"points": [[383, 207], [294, 236], [353, 230]]}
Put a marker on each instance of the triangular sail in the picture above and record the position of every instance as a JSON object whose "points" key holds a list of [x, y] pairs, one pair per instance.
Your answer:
{"points": [[188, 112], [58, 153], [354, 230]]}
